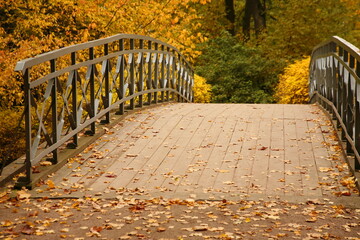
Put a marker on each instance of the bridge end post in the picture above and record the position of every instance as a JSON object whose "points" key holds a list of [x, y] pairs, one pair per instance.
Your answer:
{"points": [[26, 180]]}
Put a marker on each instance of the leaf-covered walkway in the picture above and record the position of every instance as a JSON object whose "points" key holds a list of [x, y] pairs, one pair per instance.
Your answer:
{"points": [[210, 151]]}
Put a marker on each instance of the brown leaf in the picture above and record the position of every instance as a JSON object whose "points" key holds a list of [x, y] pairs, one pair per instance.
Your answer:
{"points": [[263, 148], [137, 207], [161, 229], [50, 184], [131, 155], [312, 219], [27, 230], [111, 175], [96, 229], [45, 163], [33, 214], [200, 228], [22, 195]]}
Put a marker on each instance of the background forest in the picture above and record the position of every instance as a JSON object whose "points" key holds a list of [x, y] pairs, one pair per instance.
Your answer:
{"points": [[249, 51]]}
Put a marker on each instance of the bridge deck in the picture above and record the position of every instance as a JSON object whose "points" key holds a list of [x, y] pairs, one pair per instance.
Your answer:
{"points": [[209, 150]]}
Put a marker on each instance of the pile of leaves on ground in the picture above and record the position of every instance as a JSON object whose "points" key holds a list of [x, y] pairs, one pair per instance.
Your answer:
{"points": [[127, 218]]}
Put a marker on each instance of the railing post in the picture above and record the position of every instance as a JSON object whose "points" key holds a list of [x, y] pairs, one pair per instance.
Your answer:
{"points": [[357, 115], [54, 121], [121, 78], [149, 77], [132, 74], [25, 181]]}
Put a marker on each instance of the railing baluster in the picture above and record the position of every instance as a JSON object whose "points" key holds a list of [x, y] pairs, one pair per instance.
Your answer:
{"points": [[179, 78], [167, 82], [74, 101], [149, 77], [141, 74], [162, 80], [121, 76], [54, 106], [156, 74], [92, 109], [173, 75], [132, 74]]}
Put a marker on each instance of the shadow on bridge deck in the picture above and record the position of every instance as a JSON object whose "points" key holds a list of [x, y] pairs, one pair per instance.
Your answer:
{"points": [[210, 151]]}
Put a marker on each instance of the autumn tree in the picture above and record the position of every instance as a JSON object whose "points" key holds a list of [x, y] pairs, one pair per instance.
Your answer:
{"points": [[230, 15], [254, 10], [298, 26]]}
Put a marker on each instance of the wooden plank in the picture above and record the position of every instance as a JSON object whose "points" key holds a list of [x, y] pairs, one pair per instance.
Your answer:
{"points": [[246, 178], [163, 160], [198, 157], [310, 178], [141, 149], [225, 174]]}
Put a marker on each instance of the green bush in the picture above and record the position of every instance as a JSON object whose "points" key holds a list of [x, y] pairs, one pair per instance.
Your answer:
{"points": [[12, 135], [237, 73]]}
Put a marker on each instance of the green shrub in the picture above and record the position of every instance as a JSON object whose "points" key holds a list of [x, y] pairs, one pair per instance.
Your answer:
{"points": [[237, 73]]}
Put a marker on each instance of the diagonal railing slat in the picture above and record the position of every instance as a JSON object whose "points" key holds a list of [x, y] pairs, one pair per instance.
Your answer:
{"points": [[69, 90], [335, 84]]}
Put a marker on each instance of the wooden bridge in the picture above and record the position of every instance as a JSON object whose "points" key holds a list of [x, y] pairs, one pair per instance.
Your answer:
{"points": [[177, 149]]}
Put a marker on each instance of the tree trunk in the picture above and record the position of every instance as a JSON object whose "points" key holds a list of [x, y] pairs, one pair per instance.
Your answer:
{"points": [[230, 15], [254, 9]]}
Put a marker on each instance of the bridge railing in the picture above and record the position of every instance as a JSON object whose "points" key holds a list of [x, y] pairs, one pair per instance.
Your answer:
{"points": [[68, 91], [335, 84]]}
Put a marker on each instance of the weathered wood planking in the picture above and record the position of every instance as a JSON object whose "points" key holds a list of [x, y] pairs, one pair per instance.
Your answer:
{"points": [[182, 149]]}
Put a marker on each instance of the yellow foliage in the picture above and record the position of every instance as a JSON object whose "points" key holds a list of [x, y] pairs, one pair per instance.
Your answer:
{"points": [[32, 27], [293, 87], [202, 90]]}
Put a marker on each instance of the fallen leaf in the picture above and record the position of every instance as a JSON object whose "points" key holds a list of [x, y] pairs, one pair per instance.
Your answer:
{"points": [[45, 163], [27, 230], [50, 184], [200, 228], [111, 175], [22, 195], [312, 219], [131, 155]]}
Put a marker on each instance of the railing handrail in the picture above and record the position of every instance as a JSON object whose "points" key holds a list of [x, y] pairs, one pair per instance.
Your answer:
{"points": [[334, 76], [109, 73], [352, 49], [29, 62]]}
